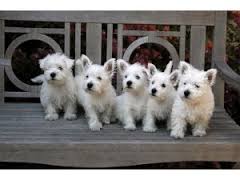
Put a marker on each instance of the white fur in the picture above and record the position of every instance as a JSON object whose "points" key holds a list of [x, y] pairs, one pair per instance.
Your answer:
{"points": [[197, 108], [99, 100], [57, 93], [131, 105], [160, 102]]}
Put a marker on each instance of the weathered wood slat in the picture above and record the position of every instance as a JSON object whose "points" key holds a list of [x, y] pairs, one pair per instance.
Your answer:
{"points": [[219, 53], [67, 39], [109, 41], [77, 40], [104, 135], [112, 154], [152, 33], [114, 132], [197, 46], [119, 55], [182, 43], [22, 94], [73, 139], [131, 17], [94, 42], [34, 30], [2, 52]]}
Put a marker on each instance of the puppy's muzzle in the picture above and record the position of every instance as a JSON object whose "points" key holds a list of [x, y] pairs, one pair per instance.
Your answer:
{"points": [[186, 93], [154, 90], [53, 75], [129, 84], [89, 86]]}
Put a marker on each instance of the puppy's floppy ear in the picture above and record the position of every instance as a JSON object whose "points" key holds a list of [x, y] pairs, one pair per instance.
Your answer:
{"points": [[122, 65], [109, 66], [146, 73], [152, 69], [211, 76], [86, 62], [78, 67], [174, 77], [168, 68], [42, 62], [184, 67], [69, 62]]}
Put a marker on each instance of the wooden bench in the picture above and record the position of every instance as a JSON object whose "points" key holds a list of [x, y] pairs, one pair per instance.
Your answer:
{"points": [[26, 137]]}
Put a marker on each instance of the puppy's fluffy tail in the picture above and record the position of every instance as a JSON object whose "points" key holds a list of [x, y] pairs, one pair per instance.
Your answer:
{"points": [[38, 79]]}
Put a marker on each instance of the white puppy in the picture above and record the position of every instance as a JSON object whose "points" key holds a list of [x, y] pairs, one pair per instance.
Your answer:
{"points": [[161, 96], [131, 105], [58, 88], [95, 91], [194, 103]]}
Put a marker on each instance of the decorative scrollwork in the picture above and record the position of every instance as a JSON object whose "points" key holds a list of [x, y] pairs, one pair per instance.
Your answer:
{"points": [[148, 39], [9, 53]]}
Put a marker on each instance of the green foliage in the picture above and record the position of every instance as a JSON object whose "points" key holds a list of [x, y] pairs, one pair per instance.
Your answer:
{"points": [[233, 41]]}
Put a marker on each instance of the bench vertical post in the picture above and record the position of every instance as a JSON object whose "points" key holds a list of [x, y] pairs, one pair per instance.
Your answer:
{"points": [[119, 55], [219, 53], [2, 43], [182, 43], [77, 40], [67, 39], [94, 42], [109, 41], [197, 46]]}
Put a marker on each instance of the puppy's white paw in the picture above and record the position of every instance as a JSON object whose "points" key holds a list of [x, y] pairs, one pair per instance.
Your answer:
{"points": [[96, 126], [106, 120], [177, 134], [149, 129], [70, 116], [130, 127], [199, 132], [51, 117]]}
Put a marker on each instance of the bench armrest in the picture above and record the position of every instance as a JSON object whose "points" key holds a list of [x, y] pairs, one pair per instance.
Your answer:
{"points": [[5, 62], [227, 74]]}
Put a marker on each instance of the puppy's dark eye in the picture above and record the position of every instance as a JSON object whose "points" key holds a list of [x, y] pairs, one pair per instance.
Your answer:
{"points": [[184, 83], [125, 76], [60, 68], [137, 77], [99, 78], [153, 82], [86, 76], [163, 85], [197, 86]]}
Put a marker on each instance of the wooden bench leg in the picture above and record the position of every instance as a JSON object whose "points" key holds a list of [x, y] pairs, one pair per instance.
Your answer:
{"points": [[237, 166]]}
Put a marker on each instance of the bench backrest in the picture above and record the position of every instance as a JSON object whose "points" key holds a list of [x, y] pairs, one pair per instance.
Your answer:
{"points": [[198, 20]]}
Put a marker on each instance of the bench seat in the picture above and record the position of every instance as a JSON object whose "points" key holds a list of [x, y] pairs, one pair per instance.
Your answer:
{"points": [[26, 137]]}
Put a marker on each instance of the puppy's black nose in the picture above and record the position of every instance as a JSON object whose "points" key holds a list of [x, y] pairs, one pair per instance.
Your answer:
{"points": [[154, 91], [89, 85], [53, 75], [186, 93], [129, 83]]}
